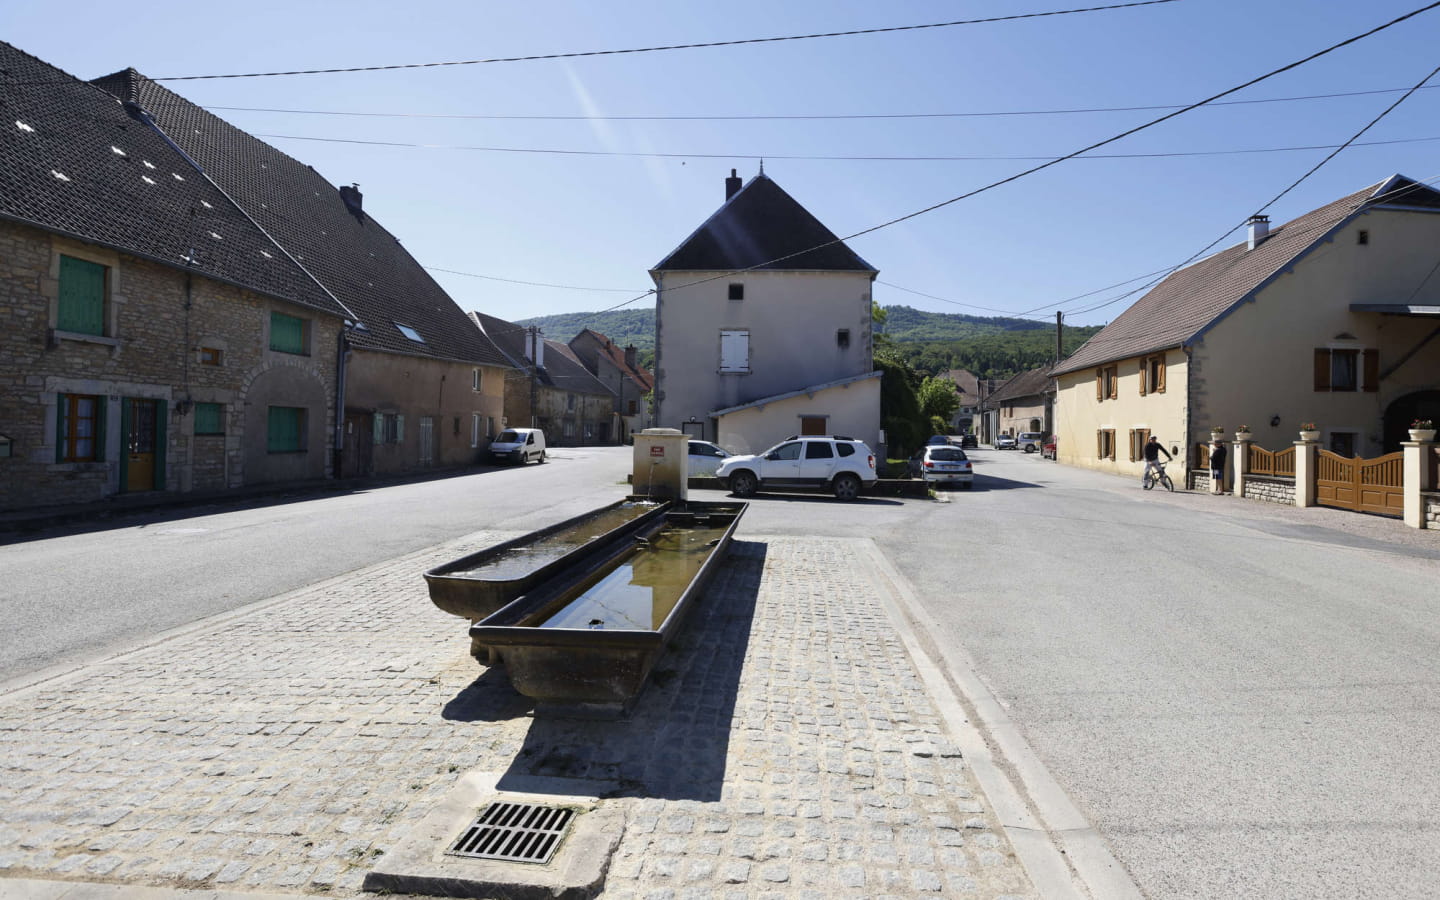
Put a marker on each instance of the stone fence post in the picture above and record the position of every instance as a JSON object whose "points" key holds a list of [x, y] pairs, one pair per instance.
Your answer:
{"points": [[1239, 464], [1306, 456], [1417, 477]]}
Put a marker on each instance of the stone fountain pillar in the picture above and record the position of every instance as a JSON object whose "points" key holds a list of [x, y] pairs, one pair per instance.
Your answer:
{"points": [[661, 464]]}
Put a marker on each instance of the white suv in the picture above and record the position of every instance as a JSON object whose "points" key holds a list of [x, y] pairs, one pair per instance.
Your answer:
{"points": [[838, 464]]}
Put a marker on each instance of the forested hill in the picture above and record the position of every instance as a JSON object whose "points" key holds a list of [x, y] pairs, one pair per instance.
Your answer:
{"points": [[931, 342]]}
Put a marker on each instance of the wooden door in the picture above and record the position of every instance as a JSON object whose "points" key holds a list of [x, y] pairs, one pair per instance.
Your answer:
{"points": [[142, 430]]}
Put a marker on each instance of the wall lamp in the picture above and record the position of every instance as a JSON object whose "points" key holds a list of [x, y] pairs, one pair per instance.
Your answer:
{"points": [[1274, 421]]}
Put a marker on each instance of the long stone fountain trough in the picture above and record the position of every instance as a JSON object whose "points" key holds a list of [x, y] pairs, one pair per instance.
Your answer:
{"points": [[583, 640]]}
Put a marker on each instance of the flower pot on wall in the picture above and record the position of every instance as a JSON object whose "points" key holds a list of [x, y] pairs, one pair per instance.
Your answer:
{"points": [[1244, 436], [1310, 435], [1422, 434]]}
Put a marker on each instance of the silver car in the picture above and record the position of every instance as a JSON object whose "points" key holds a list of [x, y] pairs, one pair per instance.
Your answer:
{"points": [[705, 458]]}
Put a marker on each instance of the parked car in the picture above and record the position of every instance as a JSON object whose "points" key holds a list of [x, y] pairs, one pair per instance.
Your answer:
{"points": [[841, 465], [1047, 449], [937, 439], [1005, 442], [518, 445], [946, 465], [705, 458], [969, 441], [1029, 441]]}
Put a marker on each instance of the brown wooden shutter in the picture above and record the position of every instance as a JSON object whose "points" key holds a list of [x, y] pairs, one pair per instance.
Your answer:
{"points": [[1372, 370], [1100, 444], [1322, 369], [1160, 375], [1114, 382], [1099, 384], [1144, 363]]}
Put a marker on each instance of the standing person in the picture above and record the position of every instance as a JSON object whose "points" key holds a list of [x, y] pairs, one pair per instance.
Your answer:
{"points": [[1217, 467], [1152, 457]]}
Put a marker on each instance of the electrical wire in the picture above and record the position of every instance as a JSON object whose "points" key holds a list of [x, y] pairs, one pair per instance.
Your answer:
{"points": [[565, 287], [793, 157], [691, 46], [804, 118]]}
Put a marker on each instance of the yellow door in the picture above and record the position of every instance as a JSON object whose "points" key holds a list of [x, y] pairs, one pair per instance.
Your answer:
{"points": [[140, 442]]}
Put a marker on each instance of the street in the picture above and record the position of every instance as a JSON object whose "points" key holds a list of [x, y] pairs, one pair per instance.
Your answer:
{"points": [[1238, 698]]}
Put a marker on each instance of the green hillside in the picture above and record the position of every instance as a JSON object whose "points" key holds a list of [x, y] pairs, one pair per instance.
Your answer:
{"points": [[930, 342]]}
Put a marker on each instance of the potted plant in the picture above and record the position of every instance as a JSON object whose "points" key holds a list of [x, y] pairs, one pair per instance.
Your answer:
{"points": [[1422, 430], [1308, 432], [1242, 433], [1217, 432]]}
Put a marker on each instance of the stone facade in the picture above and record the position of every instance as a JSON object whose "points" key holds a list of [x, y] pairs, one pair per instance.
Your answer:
{"points": [[170, 340], [1271, 490], [1432, 509]]}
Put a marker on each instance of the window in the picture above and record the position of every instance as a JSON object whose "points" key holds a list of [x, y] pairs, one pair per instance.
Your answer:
{"points": [[787, 451], [1362, 237], [474, 430], [389, 428], [568, 430], [631, 408], [737, 291], [1105, 443], [812, 425], [846, 449], [1345, 370], [80, 427], [1107, 382], [210, 356], [82, 296], [819, 450], [1344, 443], [735, 351], [209, 418], [1152, 375], [475, 379], [285, 429], [570, 402], [410, 333], [1138, 439], [842, 338], [288, 334]]}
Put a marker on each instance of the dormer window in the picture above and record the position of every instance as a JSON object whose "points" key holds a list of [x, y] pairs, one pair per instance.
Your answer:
{"points": [[410, 333], [737, 291]]}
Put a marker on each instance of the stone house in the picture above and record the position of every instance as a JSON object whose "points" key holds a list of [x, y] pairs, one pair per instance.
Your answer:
{"points": [[1329, 319], [1024, 403], [155, 338], [421, 388], [550, 389], [967, 391], [619, 371], [763, 327]]}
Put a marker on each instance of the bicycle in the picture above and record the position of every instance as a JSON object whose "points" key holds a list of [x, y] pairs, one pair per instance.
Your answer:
{"points": [[1156, 474]]}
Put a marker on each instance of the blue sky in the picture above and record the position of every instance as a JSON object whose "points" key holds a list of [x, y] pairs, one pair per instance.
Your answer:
{"points": [[601, 221]]}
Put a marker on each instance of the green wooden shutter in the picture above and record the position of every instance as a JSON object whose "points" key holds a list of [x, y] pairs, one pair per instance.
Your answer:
{"points": [[209, 418], [82, 296], [287, 333], [283, 429], [399, 429], [124, 441], [160, 420]]}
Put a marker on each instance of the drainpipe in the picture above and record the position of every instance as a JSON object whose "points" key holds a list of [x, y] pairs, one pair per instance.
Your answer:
{"points": [[1189, 404], [342, 354]]}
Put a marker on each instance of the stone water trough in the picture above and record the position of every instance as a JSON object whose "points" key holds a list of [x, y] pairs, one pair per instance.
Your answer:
{"points": [[477, 585], [584, 639]]}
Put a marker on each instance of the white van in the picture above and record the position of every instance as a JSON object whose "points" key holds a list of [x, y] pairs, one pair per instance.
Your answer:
{"points": [[518, 445]]}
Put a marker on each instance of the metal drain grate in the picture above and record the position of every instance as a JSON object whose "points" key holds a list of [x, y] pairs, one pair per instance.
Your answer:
{"points": [[514, 832]]}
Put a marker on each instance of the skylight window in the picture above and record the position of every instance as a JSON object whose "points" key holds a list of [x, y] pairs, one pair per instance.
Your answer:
{"points": [[410, 333], [117, 151], [60, 175], [22, 126]]}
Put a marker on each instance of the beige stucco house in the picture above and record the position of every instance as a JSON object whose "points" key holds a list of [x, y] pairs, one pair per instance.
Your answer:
{"points": [[763, 327], [1025, 403], [1329, 319]]}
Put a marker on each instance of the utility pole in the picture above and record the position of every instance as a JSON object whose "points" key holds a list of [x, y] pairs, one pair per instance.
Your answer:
{"points": [[1059, 336], [534, 369]]}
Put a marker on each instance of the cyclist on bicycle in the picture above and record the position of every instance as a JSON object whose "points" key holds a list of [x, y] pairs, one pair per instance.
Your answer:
{"points": [[1152, 458]]}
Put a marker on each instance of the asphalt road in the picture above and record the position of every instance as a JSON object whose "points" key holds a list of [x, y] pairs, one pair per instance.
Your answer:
{"points": [[1239, 698]]}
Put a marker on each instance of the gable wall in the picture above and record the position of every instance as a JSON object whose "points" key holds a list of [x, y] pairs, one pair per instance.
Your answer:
{"points": [[1079, 416]]}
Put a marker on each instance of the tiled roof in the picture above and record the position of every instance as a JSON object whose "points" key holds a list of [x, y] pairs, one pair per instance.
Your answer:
{"points": [[1027, 384], [562, 369], [637, 373], [361, 263], [761, 223], [1186, 303], [75, 162]]}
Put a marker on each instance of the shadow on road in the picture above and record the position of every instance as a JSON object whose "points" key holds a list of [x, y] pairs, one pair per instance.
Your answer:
{"points": [[992, 483]]}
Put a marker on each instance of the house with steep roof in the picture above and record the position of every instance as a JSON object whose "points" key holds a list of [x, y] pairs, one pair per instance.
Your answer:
{"points": [[551, 389], [1328, 319], [619, 370], [420, 388], [967, 391], [763, 327], [156, 337], [1025, 403]]}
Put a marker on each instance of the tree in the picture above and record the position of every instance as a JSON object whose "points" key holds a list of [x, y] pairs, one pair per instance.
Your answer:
{"points": [[938, 398], [905, 426]]}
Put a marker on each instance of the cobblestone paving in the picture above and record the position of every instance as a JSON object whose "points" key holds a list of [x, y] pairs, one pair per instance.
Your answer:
{"points": [[785, 748]]}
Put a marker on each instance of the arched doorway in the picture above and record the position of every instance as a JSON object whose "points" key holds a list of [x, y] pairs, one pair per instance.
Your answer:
{"points": [[1419, 405]]}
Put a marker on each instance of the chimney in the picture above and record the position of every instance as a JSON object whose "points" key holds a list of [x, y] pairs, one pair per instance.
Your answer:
{"points": [[535, 346], [1259, 228], [732, 185], [351, 195], [630, 356]]}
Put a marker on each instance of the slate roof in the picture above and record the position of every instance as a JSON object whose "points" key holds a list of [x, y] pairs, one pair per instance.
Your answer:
{"points": [[562, 370], [1033, 383], [356, 259], [638, 374], [74, 162], [1183, 306], [761, 223]]}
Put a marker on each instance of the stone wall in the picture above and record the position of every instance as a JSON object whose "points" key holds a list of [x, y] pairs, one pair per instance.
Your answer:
{"points": [[1200, 480], [1431, 505], [1271, 490]]}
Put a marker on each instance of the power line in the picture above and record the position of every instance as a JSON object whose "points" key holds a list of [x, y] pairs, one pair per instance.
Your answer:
{"points": [[803, 118], [692, 46], [799, 157], [566, 287]]}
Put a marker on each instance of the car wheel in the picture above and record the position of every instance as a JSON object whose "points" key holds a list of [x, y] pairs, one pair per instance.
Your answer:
{"points": [[743, 484], [846, 487], [542, 457]]}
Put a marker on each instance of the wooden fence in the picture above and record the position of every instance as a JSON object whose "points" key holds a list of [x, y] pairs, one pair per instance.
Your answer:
{"points": [[1278, 463], [1364, 485]]}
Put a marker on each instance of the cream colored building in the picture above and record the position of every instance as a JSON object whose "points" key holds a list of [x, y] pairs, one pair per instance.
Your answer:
{"points": [[1329, 319], [763, 327]]}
